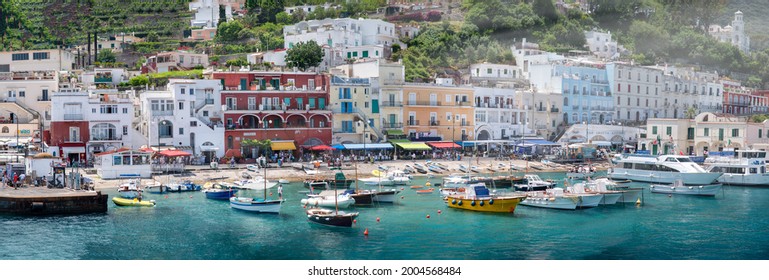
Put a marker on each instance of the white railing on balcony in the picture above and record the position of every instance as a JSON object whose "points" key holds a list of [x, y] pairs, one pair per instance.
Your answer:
{"points": [[73, 117]]}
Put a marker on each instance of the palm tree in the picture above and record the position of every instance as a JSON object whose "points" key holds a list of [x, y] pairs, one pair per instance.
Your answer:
{"points": [[690, 112]]}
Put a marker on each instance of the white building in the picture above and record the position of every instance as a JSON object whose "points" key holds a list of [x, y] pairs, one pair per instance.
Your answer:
{"points": [[37, 60], [491, 71], [602, 46], [639, 93], [174, 61], [186, 115], [104, 76], [106, 115], [344, 38], [309, 8], [206, 13], [733, 34], [499, 114], [275, 58]]}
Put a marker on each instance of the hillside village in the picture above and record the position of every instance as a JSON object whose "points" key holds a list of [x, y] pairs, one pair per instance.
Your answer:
{"points": [[82, 101]]}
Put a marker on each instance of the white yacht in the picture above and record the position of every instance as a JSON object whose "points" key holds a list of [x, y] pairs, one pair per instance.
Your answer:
{"points": [[534, 183], [745, 168], [661, 169]]}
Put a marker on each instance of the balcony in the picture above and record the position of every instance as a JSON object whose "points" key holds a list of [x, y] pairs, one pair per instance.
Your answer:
{"points": [[392, 125], [395, 82], [73, 117], [209, 101], [554, 110], [344, 111], [162, 113], [107, 138], [541, 109], [44, 98], [391, 104], [600, 82], [435, 123], [413, 122], [423, 103]]}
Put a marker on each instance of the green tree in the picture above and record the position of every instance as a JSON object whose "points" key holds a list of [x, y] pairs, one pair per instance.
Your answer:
{"points": [[283, 18], [546, 10], [229, 31], [240, 61], [304, 55], [139, 80], [106, 55], [152, 36]]}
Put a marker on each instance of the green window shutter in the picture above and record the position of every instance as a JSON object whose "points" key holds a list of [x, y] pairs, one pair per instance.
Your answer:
{"points": [[322, 103], [365, 54], [375, 106]]}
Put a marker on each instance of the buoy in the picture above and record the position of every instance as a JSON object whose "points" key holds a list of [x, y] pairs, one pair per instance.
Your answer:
{"points": [[304, 206], [401, 197], [190, 196], [402, 188], [365, 232], [377, 219], [428, 216], [166, 196], [439, 212], [355, 221], [638, 202], [270, 193], [428, 184]]}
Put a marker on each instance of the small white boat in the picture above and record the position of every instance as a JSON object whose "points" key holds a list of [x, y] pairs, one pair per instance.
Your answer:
{"points": [[256, 204], [474, 169], [463, 168], [678, 187], [257, 183], [629, 195], [609, 197], [327, 199], [534, 183], [556, 198], [386, 195]]}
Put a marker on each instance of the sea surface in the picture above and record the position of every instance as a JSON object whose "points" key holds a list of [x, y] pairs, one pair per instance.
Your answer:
{"points": [[733, 225]]}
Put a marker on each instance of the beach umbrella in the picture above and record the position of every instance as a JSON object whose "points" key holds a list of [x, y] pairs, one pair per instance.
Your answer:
{"points": [[322, 148]]}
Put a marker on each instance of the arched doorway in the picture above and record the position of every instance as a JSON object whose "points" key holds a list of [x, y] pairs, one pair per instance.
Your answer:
{"points": [[484, 135]]}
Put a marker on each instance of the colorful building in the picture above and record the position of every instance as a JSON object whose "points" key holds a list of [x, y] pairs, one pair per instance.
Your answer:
{"points": [[292, 107], [440, 111]]}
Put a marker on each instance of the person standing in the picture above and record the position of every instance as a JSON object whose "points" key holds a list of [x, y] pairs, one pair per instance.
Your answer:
{"points": [[280, 191]]}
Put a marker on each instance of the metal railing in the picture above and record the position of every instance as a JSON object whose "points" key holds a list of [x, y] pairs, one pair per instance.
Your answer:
{"points": [[424, 103], [73, 117], [392, 104], [413, 122], [435, 123], [392, 125], [162, 113]]}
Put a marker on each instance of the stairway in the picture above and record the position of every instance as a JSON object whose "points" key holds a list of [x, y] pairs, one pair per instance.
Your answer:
{"points": [[379, 135]]}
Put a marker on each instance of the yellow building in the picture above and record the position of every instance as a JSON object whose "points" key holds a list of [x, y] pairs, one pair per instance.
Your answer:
{"points": [[353, 101], [441, 110]]}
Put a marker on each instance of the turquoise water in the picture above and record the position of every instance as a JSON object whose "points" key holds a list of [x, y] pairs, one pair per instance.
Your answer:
{"points": [[733, 225]]}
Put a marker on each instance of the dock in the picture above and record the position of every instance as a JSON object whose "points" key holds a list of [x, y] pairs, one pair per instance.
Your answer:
{"points": [[45, 201]]}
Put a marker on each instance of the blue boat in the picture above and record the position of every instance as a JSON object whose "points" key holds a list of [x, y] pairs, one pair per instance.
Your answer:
{"points": [[218, 191], [185, 186]]}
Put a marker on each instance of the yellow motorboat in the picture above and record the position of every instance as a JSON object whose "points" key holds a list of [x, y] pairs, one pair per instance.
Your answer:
{"points": [[119, 201], [477, 198]]}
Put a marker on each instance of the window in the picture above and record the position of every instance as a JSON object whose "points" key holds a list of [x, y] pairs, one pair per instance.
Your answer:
{"points": [[759, 133], [181, 105], [654, 130], [40, 55], [205, 113], [108, 109], [181, 131], [706, 131], [20, 56], [93, 110], [5, 129], [735, 132], [669, 130], [165, 129], [488, 70], [690, 133], [22, 92], [183, 90], [74, 134], [125, 130], [125, 110], [192, 91]]}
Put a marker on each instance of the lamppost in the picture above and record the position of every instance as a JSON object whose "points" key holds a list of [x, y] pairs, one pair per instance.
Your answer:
{"points": [[16, 120]]}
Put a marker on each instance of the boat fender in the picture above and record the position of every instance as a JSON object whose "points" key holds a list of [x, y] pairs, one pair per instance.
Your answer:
{"points": [[459, 203], [453, 201], [491, 201], [472, 203], [481, 203], [690, 188]]}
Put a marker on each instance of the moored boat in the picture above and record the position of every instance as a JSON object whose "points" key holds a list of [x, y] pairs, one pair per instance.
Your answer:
{"points": [[258, 205], [425, 191], [328, 199], [185, 186], [741, 167], [678, 187], [478, 198], [133, 202], [664, 169], [330, 217], [130, 189], [386, 195], [218, 191], [533, 183]]}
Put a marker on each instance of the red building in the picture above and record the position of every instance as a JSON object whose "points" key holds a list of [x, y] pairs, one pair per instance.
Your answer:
{"points": [[275, 106], [71, 138], [737, 99]]}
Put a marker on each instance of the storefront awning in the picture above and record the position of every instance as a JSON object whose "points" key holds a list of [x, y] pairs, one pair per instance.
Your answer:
{"points": [[338, 146], [283, 146], [174, 153], [372, 146], [539, 142], [413, 146], [394, 132], [443, 145]]}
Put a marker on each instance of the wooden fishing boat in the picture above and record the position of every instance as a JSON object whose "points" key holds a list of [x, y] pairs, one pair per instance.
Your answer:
{"points": [[425, 191], [478, 198]]}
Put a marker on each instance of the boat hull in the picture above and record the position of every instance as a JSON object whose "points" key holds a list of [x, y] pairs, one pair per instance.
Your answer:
{"points": [[589, 200], [220, 194], [705, 190], [156, 189], [487, 204], [386, 196], [259, 206], [610, 198], [564, 203], [341, 202], [331, 218], [133, 202], [363, 198], [744, 179], [664, 177]]}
